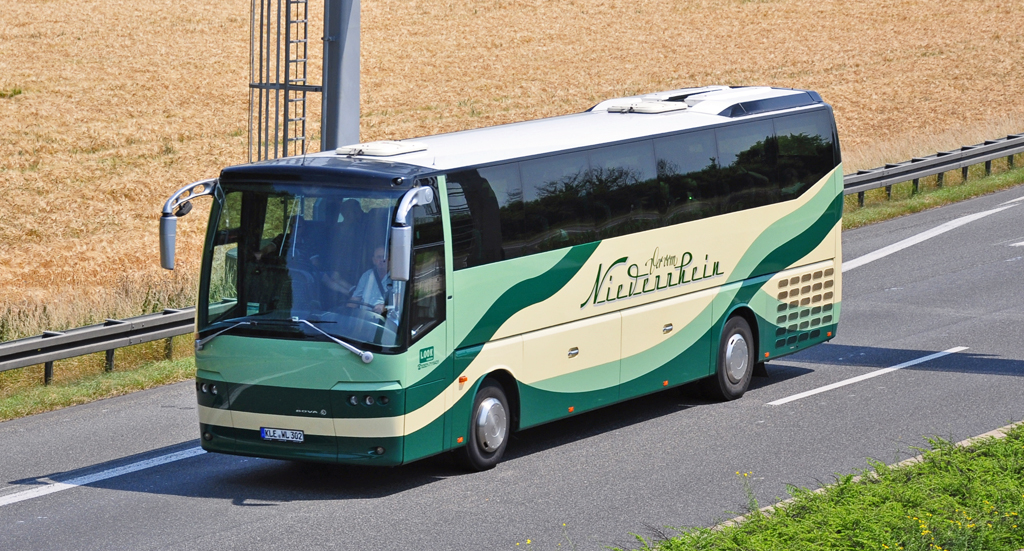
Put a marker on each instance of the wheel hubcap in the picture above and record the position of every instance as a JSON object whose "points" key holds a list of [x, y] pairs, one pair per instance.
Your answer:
{"points": [[491, 425], [736, 357]]}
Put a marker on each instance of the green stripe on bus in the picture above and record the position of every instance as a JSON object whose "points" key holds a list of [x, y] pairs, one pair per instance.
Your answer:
{"points": [[528, 292]]}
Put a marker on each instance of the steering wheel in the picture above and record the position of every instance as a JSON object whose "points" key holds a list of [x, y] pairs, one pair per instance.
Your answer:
{"points": [[368, 310]]}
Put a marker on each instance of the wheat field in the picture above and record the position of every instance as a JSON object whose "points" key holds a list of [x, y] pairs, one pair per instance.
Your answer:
{"points": [[107, 106]]}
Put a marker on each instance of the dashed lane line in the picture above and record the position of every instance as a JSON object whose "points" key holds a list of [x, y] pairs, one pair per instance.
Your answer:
{"points": [[859, 378], [923, 236], [102, 475]]}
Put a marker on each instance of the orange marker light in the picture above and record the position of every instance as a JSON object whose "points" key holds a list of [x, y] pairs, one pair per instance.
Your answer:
{"points": [[829, 334], [463, 378], [571, 408], [458, 440], [665, 383], [765, 354]]}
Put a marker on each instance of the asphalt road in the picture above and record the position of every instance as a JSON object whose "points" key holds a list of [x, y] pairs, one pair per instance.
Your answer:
{"points": [[667, 460]]}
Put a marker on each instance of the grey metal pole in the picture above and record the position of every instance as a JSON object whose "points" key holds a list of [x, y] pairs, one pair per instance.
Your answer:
{"points": [[340, 120]]}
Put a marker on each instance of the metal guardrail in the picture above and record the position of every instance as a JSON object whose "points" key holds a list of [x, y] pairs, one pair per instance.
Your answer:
{"points": [[113, 334], [103, 337], [933, 165]]}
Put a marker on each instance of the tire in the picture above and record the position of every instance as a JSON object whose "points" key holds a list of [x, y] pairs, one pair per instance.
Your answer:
{"points": [[489, 428], [737, 354]]}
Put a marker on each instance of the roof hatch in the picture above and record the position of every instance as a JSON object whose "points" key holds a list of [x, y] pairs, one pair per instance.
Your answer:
{"points": [[648, 106], [385, 148]]}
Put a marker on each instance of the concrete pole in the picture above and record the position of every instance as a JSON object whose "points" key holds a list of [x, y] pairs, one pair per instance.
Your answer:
{"points": [[340, 119]]}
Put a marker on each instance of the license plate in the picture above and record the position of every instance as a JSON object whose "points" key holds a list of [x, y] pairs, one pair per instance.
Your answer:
{"points": [[282, 435]]}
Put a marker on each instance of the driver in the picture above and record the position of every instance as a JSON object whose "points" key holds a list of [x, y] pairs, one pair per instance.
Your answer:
{"points": [[375, 286]]}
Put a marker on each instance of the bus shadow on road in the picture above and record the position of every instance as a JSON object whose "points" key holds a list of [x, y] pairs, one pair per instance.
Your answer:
{"points": [[839, 355], [255, 482], [631, 412]]}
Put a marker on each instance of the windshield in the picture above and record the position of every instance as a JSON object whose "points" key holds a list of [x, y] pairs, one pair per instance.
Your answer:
{"points": [[282, 255]]}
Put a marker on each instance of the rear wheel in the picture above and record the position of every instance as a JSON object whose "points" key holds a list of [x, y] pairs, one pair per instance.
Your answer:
{"points": [[736, 357], [489, 427]]}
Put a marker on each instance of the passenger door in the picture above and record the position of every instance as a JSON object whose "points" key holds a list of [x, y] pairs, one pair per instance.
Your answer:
{"points": [[430, 364]]}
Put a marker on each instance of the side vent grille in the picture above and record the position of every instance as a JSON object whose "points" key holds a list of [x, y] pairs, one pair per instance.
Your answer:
{"points": [[805, 305]]}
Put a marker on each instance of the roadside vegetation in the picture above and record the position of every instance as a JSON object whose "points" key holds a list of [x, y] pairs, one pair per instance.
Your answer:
{"points": [[955, 498], [39, 399], [877, 207], [84, 379]]}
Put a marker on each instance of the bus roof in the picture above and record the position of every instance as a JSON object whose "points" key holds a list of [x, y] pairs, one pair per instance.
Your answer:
{"points": [[615, 120]]}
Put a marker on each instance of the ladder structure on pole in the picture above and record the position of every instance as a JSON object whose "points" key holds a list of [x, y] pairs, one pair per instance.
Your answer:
{"points": [[279, 79]]}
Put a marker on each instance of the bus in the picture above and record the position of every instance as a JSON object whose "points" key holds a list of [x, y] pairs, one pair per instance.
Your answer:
{"points": [[393, 300]]}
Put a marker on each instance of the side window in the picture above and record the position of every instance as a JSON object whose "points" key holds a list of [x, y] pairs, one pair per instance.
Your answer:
{"points": [[555, 203], [688, 175], [223, 284], [623, 193], [748, 156], [805, 151], [486, 215], [427, 295]]}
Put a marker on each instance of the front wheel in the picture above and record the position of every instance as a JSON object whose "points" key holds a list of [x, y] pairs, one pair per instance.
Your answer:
{"points": [[736, 357], [489, 427]]}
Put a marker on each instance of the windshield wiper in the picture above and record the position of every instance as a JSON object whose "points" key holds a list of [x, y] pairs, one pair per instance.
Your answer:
{"points": [[247, 320], [364, 355], [202, 342]]}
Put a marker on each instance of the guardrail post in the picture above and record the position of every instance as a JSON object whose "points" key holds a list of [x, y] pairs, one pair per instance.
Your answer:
{"points": [[963, 171], [169, 348], [938, 179], [888, 193], [988, 168], [917, 181], [1009, 161], [109, 366], [860, 198], [47, 373]]}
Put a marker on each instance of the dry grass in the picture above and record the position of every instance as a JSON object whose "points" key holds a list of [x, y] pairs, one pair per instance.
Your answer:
{"points": [[121, 103]]}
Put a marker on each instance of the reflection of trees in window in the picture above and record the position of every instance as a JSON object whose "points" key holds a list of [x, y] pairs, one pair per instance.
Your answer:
{"points": [[803, 160], [590, 205], [581, 197], [479, 222]]}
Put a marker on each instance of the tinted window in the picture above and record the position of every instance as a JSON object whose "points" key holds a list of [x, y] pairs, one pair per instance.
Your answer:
{"points": [[581, 197], [427, 220], [486, 214], [624, 178], [805, 151], [557, 209], [688, 176], [427, 300], [748, 161]]}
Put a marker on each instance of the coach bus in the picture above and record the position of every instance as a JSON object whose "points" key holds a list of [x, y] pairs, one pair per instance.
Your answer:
{"points": [[393, 300]]}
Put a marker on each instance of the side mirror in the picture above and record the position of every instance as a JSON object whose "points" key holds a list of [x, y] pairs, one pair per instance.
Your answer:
{"points": [[401, 253], [401, 232], [168, 235], [179, 205]]}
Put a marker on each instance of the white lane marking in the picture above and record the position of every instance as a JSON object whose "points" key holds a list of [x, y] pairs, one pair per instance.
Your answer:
{"points": [[1021, 244], [923, 236], [1013, 201], [859, 378], [96, 477]]}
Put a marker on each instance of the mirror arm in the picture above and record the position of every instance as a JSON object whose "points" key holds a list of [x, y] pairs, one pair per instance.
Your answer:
{"points": [[419, 196], [177, 206], [401, 232]]}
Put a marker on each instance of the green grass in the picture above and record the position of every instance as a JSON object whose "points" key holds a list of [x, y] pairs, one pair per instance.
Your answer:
{"points": [[957, 499], [877, 208], [95, 387], [10, 92]]}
